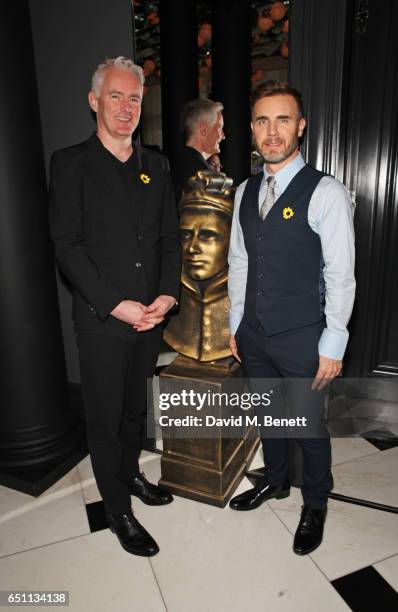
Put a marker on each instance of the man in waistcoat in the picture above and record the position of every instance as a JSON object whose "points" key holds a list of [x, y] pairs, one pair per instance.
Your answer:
{"points": [[291, 288]]}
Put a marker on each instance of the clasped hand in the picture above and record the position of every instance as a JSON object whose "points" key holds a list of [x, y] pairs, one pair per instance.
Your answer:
{"points": [[141, 317]]}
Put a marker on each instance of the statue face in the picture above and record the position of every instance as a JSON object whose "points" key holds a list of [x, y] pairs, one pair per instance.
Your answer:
{"points": [[205, 239]]}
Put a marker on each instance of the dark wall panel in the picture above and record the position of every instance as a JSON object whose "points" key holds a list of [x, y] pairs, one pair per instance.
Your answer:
{"points": [[372, 170], [344, 58], [70, 39], [316, 66]]}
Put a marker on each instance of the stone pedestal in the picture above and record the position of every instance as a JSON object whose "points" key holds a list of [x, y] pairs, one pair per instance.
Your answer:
{"points": [[205, 469]]}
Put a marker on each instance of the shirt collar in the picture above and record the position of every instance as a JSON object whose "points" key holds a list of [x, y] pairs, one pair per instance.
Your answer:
{"points": [[287, 173]]}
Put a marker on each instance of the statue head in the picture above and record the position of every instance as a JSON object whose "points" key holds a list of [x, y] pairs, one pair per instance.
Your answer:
{"points": [[199, 330], [205, 223]]}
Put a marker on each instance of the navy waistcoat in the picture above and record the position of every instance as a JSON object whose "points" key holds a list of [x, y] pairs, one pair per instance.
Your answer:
{"points": [[285, 285]]}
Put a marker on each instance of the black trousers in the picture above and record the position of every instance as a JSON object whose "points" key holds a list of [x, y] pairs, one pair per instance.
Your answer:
{"points": [[114, 375], [290, 355]]}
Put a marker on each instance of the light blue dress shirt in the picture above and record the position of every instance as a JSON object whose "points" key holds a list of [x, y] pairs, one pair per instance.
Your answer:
{"points": [[330, 215]]}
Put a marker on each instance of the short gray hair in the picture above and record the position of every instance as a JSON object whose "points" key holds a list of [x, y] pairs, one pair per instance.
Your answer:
{"points": [[198, 110], [118, 62]]}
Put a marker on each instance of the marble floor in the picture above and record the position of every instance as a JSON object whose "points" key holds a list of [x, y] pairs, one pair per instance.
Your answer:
{"points": [[210, 559]]}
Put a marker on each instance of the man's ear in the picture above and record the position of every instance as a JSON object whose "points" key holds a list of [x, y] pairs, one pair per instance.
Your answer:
{"points": [[301, 126], [93, 101], [203, 128]]}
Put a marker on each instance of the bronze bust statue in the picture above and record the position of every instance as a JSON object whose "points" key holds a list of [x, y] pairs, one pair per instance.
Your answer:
{"points": [[200, 329]]}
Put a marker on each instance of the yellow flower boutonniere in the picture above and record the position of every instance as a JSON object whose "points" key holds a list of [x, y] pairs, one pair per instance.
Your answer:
{"points": [[288, 213], [145, 178]]}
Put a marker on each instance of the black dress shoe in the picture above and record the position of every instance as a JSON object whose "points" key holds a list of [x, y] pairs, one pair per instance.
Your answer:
{"points": [[249, 500], [310, 530], [150, 494], [132, 535]]}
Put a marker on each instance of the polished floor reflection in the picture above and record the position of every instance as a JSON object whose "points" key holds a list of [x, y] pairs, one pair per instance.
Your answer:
{"points": [[210, 559]]}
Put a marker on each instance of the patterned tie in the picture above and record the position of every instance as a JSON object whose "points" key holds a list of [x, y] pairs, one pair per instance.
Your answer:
{"points": [[269, 198]]}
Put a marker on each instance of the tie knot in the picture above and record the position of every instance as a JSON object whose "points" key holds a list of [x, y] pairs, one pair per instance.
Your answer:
{"points": [[271, 181]]}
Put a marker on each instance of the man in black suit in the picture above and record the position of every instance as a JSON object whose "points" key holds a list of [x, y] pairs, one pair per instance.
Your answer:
{"points": [[114, 225], [202, 125]]}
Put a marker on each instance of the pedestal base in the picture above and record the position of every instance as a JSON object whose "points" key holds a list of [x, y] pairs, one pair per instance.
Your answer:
{"points": [[204, 469], [35, 479]]}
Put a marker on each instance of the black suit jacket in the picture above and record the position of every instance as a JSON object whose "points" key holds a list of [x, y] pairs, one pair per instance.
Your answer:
{"points": [[188, 162], [109, 249]]}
